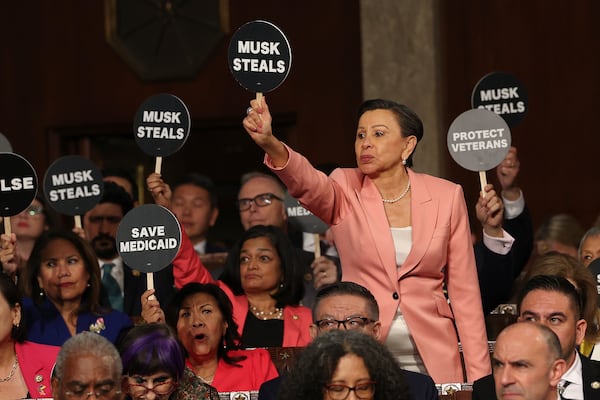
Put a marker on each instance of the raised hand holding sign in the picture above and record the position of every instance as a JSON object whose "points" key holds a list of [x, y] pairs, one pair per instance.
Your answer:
{"points": [[259, 57], [478, 140], [161, 126], [18, 186]]}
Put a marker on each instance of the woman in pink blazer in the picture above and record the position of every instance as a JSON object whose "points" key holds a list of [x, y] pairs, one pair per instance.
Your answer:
{"points": [[403, 235]]}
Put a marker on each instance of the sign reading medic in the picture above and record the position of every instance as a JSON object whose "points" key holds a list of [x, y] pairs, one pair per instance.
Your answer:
{"points": [[161, 126], [259, 56], [148, 238], [304, 221], [478, 140], [502, 94], [73, 185], [18, 184]]}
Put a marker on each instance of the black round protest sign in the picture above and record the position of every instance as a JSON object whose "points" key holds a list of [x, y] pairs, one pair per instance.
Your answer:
{"points": [[148, 238], [18, 184], [5, 146], [478, 140], [161, 125], [302, 219], [502, 94], [259, 56], [73, 185]]}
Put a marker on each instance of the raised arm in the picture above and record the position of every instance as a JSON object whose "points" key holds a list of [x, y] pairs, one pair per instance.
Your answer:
{"points": [[258, 125]]}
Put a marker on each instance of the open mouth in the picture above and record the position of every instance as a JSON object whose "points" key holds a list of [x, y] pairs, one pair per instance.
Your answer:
{"points": [[200, 336]]}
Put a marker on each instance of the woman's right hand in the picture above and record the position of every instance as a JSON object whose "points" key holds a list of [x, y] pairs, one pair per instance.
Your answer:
{"points": [[151, 311], [8, 253], [161, 192]]}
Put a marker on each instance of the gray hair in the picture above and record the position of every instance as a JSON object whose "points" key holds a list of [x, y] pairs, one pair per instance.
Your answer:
{"points": [[92, 344], [247, 177], [590, 233]]}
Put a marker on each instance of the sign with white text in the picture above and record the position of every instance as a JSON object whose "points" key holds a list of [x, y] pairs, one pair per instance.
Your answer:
{"points": [[73, 185], [18, 184], [302, 219], [502, 94]]}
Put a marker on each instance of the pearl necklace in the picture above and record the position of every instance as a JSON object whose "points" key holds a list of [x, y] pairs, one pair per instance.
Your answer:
{"points": [[12, 371], [399, 197], [277, 313]]}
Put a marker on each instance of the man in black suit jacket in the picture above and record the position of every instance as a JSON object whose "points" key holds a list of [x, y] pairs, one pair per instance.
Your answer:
{"points": [[348, 305], [553, 301]]}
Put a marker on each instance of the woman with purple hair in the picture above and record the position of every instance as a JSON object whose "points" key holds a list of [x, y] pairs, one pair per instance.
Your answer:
{"points": [[154, 367]]}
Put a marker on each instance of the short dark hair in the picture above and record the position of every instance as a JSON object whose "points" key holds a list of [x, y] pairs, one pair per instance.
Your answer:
{"points": [[116, 194], [11, 294], [90, 300], [409, 121], [291, 290], [347, 288], [232, 338], [317, 362], [553, 283], [150, 349], [201, 181], [122, 173]]}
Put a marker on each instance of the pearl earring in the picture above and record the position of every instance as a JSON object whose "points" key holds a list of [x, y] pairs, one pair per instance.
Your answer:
{"points": [[403, 161]]}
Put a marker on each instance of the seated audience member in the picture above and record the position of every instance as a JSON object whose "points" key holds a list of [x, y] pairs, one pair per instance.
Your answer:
{"points": [[527, 362], [561, 233], [195, 204], [154, 367], [350, 306], [554, 302], [261, 281], [572, 270], [202, 315], [589, 247], [261, 202], [26, 366], [62, 282], [338, 363], [87, 365]]}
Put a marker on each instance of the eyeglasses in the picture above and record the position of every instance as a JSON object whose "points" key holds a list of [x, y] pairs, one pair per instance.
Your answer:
{"points": [[34, 210], [159, 388], [261, 200], [350, 323], [101, 393], [364, 390]]}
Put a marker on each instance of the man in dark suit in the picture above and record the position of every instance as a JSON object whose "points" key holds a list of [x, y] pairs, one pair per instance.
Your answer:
{"points": [[348, 305], [553, 301], [122, 284]]}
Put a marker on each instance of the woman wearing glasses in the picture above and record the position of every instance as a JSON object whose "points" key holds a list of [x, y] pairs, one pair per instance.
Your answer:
{"points": [[154, 367], [261, 282], [339, 362]]}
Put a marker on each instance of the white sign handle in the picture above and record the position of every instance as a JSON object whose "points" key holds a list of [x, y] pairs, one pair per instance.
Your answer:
{"points": [[78, 221], [158, 165], [7, 228], [317, 240], [482, 181], [150, 284]]}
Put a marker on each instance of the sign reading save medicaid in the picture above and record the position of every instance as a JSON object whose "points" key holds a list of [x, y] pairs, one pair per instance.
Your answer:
{"points": [[161, 125], [502, 94], [18, 184], [259, 56], [478, 140], [148, 238], [73, 185]]}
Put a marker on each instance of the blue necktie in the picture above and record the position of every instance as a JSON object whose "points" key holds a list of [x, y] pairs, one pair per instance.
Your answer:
{"points": [[112, 287]]}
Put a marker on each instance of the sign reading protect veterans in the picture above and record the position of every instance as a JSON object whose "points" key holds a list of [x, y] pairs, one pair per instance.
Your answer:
{"points": [[478, 140], [148, 238], [161, 125], [302, 219], [18, 184], [73, 185], [259, 56], [502, 94]]}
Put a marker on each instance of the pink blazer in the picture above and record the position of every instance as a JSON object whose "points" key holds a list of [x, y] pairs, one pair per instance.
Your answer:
{"points": [[441, 253], [36, 362], [187, 268]]}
